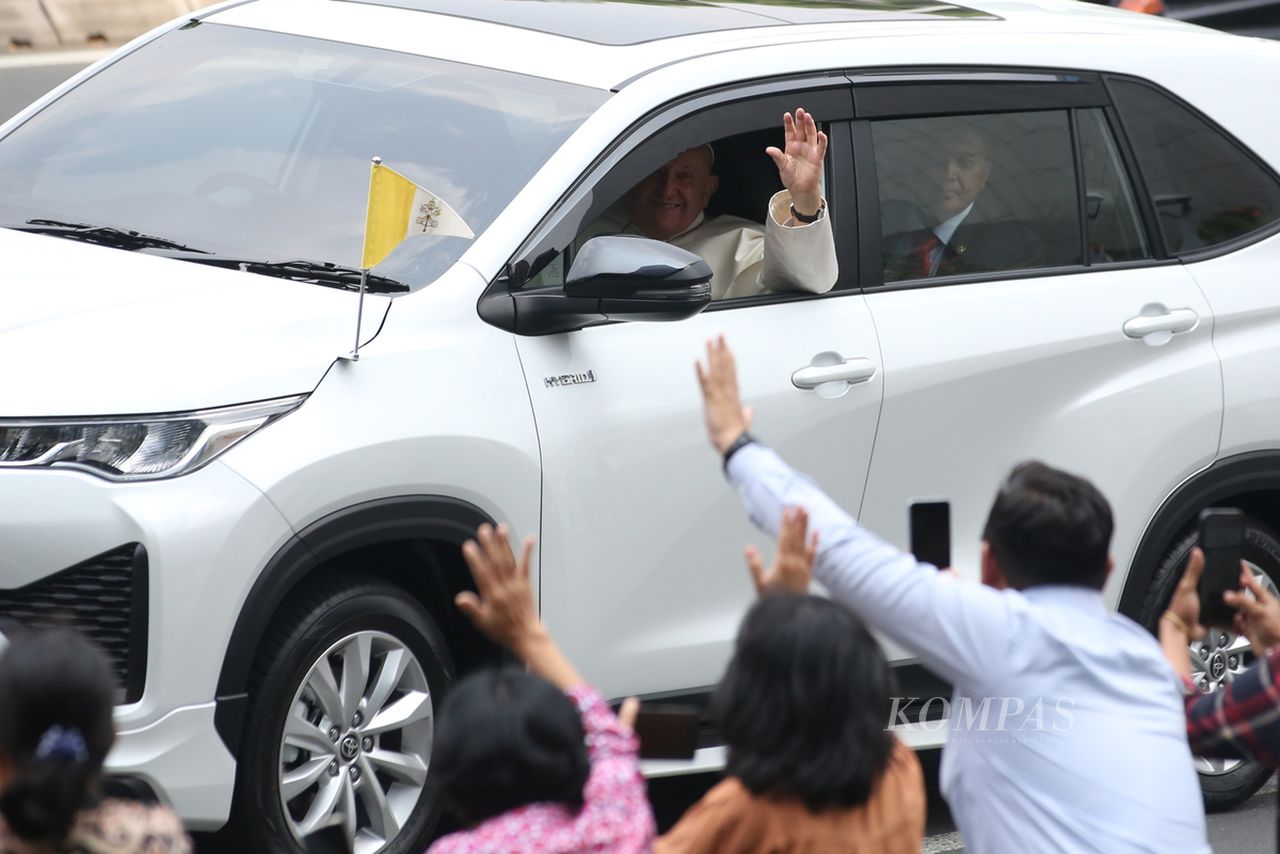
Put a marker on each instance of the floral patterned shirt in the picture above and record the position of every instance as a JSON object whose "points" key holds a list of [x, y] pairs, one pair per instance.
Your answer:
{"points": [[615, 816], [113, 827]]}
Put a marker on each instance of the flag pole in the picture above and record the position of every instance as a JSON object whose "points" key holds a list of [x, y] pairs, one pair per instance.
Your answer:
{"points": [[364, 272], [364, 283]]}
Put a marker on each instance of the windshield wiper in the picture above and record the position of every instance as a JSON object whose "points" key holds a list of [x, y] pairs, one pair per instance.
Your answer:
{"points": [[103, 235], [317, 272]]}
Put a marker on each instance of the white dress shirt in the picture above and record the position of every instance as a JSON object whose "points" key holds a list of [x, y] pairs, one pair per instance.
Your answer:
{"points": [[1081, 744]]}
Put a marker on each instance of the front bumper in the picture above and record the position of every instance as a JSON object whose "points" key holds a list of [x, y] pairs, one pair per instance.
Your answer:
{"points": [[194, 545], [182, 760]]}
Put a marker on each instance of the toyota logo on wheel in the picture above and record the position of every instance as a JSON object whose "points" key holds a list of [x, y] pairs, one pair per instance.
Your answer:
{"points": [[1219, 667], [350, 747]]}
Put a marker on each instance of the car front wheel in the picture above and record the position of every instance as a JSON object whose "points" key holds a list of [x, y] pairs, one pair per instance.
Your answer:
{"points": [[1220, 657], [341, 724]]}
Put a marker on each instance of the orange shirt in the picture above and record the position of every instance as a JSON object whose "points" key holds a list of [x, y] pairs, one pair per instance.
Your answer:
{"points": [[730, 819]]}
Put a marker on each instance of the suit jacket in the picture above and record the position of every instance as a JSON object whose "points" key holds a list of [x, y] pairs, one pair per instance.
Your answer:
{"points": [[976, 246], [746, 259]]}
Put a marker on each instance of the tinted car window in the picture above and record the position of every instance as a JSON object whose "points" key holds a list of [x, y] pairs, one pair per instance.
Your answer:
{"points": [[1205, 188], [1111, 215], [976, 194], [258, 144]]}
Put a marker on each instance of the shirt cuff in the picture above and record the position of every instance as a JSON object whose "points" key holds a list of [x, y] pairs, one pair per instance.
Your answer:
{"points": [[780, 211]]}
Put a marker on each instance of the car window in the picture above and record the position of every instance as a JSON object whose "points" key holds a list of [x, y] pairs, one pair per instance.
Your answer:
{"points": [[974, 194], [1205, 188], [728, 233], [1114, 227], [258, 144], [744, 181]]}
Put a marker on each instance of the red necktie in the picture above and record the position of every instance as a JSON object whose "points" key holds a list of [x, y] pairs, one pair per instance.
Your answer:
{"points": [[924, 254]]}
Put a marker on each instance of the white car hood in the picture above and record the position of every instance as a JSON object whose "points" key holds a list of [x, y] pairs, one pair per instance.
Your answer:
{"points": [[88, 330]]}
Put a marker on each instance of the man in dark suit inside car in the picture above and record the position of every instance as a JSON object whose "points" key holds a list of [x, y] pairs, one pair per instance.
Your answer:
{"points": [[950, 233]]}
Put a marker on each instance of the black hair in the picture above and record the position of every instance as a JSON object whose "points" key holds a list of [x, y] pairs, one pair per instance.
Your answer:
{"points": [[56, 694], [804, 704], [1049, 527], [507, 738]]}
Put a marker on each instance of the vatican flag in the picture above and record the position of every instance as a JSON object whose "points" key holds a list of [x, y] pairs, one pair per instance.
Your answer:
{"points": [[400, 209]]}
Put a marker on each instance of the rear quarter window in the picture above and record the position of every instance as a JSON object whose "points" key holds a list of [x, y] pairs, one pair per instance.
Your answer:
{"points": [[1205, 187]]}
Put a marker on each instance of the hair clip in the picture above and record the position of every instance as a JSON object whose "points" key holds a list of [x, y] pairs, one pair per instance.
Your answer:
{"points": [[59, 742]]}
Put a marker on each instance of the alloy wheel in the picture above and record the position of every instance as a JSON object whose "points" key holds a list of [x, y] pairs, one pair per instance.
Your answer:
{"points": [[357, 742]]}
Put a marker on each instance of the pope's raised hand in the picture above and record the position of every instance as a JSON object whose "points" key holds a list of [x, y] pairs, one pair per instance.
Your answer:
{"points": [[800, 161]]}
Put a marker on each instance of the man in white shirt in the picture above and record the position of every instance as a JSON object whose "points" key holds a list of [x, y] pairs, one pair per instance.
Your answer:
{"points": [[795, 251], [1067, 730]]}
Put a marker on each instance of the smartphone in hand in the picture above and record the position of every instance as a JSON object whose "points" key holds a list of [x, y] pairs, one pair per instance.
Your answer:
{"points": [[667, 731], [930, 523], [1221, 538]]}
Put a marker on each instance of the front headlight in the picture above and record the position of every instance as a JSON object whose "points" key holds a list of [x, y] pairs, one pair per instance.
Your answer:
{"points": [[143, 447]]}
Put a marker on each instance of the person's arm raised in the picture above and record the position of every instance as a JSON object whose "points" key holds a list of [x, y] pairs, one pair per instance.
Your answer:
{"points": [[960, 629], [799, 250], [800, 161], [503, 610], [1180, 623]]}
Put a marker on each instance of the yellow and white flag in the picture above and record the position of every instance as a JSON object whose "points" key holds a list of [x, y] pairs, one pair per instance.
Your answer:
{"points": [[400, 209]]}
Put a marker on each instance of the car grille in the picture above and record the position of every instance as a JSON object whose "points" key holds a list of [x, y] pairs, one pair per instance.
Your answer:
{"points": [[104, 597]]}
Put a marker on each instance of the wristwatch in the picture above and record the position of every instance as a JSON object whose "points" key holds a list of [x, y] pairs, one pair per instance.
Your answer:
{"points": [[807, 220], [739, 443]]}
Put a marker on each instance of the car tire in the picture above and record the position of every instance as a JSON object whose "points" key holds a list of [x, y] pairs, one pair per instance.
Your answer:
{"points": [[362, 650], [1223, 784]]}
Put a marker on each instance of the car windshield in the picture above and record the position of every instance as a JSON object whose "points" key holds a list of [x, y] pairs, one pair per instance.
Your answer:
{"points": [[253, 144]]}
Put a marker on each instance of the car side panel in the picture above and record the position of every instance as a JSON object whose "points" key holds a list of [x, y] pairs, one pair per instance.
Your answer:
{"points": [[981, 376]]}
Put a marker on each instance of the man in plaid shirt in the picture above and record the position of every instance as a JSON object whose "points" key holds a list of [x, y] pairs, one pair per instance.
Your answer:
{"points": [[1242, 721]]}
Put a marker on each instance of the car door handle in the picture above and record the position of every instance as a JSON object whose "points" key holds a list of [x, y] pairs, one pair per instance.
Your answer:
{"points": [[856, 370], [1172, 321]]}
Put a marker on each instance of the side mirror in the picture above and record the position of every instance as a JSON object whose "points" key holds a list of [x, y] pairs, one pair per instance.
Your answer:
{"points": [[637, 268], [613, 277]]}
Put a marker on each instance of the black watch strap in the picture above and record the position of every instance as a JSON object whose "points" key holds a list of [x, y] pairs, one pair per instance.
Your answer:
{"points": [[738, 444], [808, 220]]}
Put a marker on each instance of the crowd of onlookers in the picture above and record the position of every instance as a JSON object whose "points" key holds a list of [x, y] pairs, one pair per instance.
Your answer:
{"points": [[1071, 728]]}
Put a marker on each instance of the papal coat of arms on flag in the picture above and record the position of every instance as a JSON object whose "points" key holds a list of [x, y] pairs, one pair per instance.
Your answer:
{"points": [[399, 209]]}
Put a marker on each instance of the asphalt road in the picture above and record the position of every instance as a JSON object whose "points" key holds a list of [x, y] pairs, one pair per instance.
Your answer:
{"points": [[1249, 829]]}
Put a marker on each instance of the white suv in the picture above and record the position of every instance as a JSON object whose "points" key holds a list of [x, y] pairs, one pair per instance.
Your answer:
{"points": [[264, 535]]}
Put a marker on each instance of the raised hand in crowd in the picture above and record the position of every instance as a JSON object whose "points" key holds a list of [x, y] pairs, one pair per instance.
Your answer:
{"points": [[1180, 623], [536, 757], [726, 418], [503, 610], [792, 566], [1257, 615]]}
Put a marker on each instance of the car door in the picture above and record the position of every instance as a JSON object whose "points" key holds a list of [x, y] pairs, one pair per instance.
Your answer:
{"points": [[1049, 329], [643, 579]]}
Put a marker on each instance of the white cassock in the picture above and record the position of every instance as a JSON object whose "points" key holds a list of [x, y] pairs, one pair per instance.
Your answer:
{"points": [[746, 259]]}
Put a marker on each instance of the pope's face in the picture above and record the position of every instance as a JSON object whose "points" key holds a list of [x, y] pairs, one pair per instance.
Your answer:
{"points": [[960, 176], [668, 201]]}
